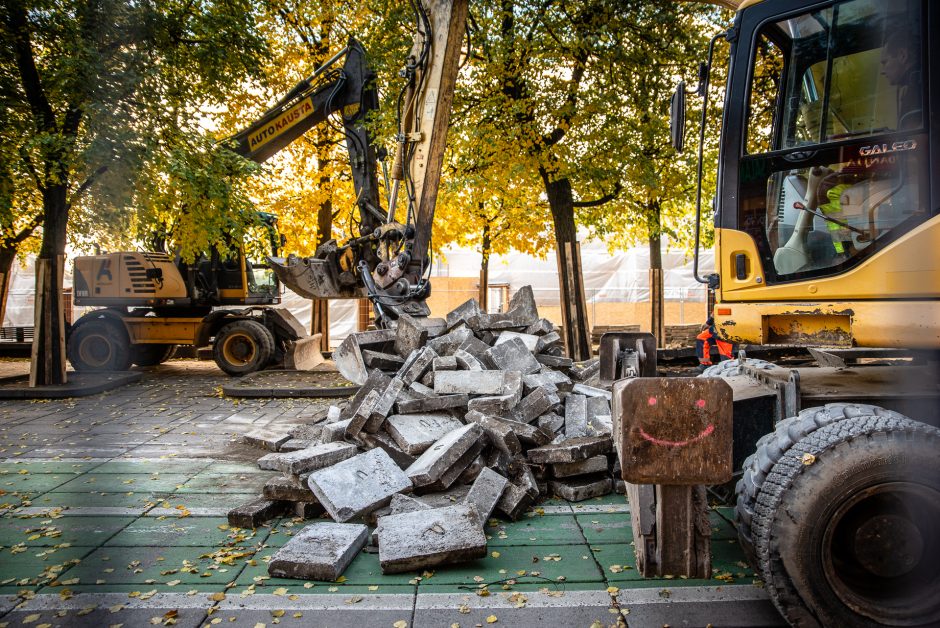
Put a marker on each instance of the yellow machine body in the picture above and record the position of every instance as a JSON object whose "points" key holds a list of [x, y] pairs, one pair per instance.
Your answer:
{"points": [[122, 279]]}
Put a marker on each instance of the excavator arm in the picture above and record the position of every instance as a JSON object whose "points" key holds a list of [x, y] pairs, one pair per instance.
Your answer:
{"points": [[389, 259]]}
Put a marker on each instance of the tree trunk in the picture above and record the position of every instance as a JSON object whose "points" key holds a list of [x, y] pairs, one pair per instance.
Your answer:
{"points": [[7, 257], [485, 247], [48, 364], [657, 300], [570, 278]]}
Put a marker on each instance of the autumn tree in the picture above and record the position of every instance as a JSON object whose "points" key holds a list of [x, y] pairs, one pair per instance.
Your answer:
{"points": [[93, 87]]}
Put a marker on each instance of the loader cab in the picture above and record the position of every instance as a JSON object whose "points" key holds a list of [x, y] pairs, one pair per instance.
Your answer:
{"points": [[827, 161]]}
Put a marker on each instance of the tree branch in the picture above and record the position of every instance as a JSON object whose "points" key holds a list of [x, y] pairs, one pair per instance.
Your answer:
{"points": [[29, 75], [87, 183], [602, 200]]}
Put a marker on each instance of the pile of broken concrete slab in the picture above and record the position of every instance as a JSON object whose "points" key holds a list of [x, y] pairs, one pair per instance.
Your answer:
{"points": [[473, 415]]}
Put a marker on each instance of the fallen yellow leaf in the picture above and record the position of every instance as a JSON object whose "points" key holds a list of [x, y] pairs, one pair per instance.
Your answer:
{"points": [[491, 619], [218, 596]]}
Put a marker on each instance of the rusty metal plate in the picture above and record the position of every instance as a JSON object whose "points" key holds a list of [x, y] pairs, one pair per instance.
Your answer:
{"points": [[673, 430]]}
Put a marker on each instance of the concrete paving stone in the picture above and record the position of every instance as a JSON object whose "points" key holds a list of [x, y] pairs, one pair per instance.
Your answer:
{"points": [[535, 404], [575, 416], [451, 341], [385, 442], [456, 470], [381, 410], [514, 502], [579, 488], [486, 491], [348, 355], [473, 470], [321, 551], [597, 406], [295, 444], [428, 379], [409, 336], [144, 566], [499, 431], [571, 450], [364, 570], [285, 489], [594, 464], [467, 361], [455, 495], [427, 538], [415, 433], [512, 355], [211, 483], [474, 346], [363, 413], [307, 510], [551, 422], [493, 405], [405, 503], [444, 363], [557, 362], [376, 380], [469, 312], [591, 391], [498, 460], [432, 404], [267, 439], [383, 361], [417, 365], [335, 432], [441, 456], [217, 467], [553, 380], [582, 371], [358, 485], [540, 327], [551, 339], [256, 512], [531, 435], [420, 391], [77, 531], [310, 459], [185, 532], [529, 340]]}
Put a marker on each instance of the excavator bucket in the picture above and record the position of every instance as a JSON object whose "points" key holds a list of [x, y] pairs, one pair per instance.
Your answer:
{"points": [[313, 278]]}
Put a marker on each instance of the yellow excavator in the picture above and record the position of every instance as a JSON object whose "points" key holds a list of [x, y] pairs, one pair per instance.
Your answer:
{"points": [[151, 302], [827, 236]]}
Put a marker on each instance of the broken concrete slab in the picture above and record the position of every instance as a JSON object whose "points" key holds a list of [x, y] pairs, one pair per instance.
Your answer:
{"points": [[486, 492], [363, 413], [579, 488], [415, 433], [495, 405], [405, 503], [444, 363], [383, 361], [529, 340], [348, 355], [575, 416], [334, 432], [427, 538], [420, 391], [514, 502], [585, 370], [498, 460], [551, 422], [478, 382], [281, 488], [531, 435], [432, 404], [474, 346], [383, 406], [456, 470], [547, 378], [597, 406], [409, 336], [320, 551], [601, 424], [571, 450], [451, 341], [535, 404], [267, 439], [557, 362], [468, 312], [540, 327], [511, 355], [358, 485], [294, 444], [549, 340], [441, 456], [309, 459], [376, 381], [473, 470], [594, 464], [256, 512]]}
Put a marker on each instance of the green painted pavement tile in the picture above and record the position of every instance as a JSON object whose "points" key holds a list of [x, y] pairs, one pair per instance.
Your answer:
{"points": [[15, 590], [187, 467], [47, 466], [185, 532], [606, 528], [34, 482], [95, 500], [117, 483], [78, 531], [612, 499], [144, 566], [229, 468], [37, 565], [9, 501], [363, 570], [225, 501], [547, 530], [721, 523], [226, 483], [575, 564]]}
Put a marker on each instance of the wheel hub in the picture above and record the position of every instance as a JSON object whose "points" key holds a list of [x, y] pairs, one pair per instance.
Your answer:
{"points": [[95, 350], [239, 350], [889, 545]]}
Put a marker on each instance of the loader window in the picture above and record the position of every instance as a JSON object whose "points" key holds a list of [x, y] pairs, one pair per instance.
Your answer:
{"points": [[842, 168]]}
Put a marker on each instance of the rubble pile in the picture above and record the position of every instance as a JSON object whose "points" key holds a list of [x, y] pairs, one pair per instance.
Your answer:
{"points": [[455, 421]]}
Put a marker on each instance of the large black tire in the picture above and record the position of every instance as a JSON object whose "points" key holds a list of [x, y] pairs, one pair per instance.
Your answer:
{"points": [[773, 445], [99, 345], [242, 347], [730, 368], [152, 354], [845, 526]]}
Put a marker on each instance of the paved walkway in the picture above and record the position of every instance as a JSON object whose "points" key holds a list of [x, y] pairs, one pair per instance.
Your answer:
{"points": [[114, 513]]}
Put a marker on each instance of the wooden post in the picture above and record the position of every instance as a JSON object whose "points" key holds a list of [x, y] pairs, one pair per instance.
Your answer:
{"points": [[484, 296], [365, 314], [320, 321], [657, 307], [572, 301]]}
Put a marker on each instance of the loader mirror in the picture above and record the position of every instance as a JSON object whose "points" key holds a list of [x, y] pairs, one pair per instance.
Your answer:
{"points": [[677, 117]]}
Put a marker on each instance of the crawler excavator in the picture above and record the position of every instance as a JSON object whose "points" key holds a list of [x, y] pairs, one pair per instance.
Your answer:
{"points": [[151, 302]]}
